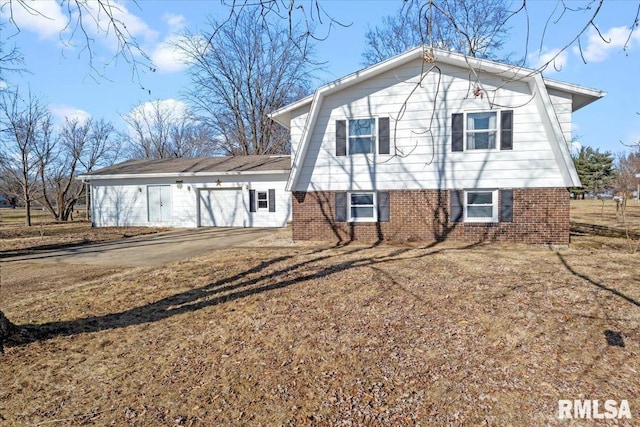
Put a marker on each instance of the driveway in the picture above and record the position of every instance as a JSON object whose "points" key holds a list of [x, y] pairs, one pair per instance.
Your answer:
{"points": [[151, 250]]}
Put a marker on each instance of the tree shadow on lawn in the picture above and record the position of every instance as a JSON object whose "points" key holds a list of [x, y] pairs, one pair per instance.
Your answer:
{"points": [[244, 284], [595, 283]]}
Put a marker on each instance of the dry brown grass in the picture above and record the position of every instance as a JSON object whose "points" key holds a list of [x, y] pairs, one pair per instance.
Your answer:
{"points": [[604, 212], [16, 238], [441, 335]]}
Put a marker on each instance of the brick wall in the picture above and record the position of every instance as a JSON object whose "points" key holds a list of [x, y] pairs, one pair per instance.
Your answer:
{"points": [[540, 215]]}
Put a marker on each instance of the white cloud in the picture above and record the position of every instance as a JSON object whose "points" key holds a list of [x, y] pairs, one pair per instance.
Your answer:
{"points": [[632, 136], [61, 112], [166, 56], [170, 109], [176, 22], [555, 58], [44, 18], [576, 146], [596, 49]]}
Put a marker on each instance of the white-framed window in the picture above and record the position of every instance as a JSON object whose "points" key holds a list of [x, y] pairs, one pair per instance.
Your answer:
{"points": [[361, 136], [481, 205], [362, 207], [481, 130], [262, 200]]}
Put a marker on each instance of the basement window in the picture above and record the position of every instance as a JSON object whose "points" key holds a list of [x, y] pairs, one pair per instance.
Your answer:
{"points": [[481, 206], [362, 207]]}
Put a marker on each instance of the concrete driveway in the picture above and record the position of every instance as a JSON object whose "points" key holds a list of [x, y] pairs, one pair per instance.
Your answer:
{"points": [[151, 250]]}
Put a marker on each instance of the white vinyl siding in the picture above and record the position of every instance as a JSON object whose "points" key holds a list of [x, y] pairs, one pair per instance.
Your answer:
{"points": [[562, 107], [124, 202], [420, 155]]}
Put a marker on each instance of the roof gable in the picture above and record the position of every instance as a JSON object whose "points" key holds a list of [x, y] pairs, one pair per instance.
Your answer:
{"points": [[580, 96]]}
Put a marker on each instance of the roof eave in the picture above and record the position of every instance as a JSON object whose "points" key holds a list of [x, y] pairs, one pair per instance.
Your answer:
{"points": [[89, 177], [581, 96]]}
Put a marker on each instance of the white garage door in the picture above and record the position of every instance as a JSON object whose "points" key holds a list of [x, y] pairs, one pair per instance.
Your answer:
{"points": [[221, 208]]}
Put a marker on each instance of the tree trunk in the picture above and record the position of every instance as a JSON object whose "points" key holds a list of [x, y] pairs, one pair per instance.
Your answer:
{"points": [[6, 330], [27, 206]]}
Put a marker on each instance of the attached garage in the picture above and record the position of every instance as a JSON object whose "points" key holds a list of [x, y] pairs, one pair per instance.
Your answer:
{"points": [[238, 191]]}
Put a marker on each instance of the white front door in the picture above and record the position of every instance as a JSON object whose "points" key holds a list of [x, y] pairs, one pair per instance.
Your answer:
{"points": [[159, 203], [221, 208]]}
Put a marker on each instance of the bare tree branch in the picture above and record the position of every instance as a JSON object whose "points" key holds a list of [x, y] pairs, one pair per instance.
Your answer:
{"points": [[242, 73], [87, 22]]}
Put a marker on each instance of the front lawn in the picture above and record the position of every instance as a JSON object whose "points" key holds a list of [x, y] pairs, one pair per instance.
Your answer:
{"points": [[315, 335]]}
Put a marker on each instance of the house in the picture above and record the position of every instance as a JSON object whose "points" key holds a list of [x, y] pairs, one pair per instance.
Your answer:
{"points": [[240, 191], [434, 145]]}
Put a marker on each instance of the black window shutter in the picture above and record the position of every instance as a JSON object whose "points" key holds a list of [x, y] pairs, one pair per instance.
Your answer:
{"points": [[252, 200], [456, 205], [383, 206], [383, 135], [341, 207], [272, 200], [506, 205], [341, 137], [457, 132], [506, 130]]}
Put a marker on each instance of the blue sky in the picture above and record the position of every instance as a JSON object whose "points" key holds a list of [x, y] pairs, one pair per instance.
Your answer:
{"points": [[60, 75]]}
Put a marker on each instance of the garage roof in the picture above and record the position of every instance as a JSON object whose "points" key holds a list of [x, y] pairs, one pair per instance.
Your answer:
{"points": [[195, 167]]}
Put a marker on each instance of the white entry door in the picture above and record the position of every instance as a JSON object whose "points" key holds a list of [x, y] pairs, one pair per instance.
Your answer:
{"points": [[221, 208], [159, 203]]}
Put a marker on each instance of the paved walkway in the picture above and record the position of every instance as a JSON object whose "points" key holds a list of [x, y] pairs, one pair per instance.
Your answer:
{"points": [[150, 250]]}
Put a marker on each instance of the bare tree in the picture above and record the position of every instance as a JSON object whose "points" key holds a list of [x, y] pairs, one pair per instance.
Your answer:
{"points": [[11, 59], [627, 166], [79, 148], [475, 28], [26, 126], [166, 129], [87, 20], [580, 16], [248, 68]]}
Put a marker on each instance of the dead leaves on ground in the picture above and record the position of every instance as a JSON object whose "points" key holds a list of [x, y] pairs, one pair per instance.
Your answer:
{"points": [[446, 335]]}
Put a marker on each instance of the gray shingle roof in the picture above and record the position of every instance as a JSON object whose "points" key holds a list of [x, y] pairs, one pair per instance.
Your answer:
{"points": [[198, 165]]}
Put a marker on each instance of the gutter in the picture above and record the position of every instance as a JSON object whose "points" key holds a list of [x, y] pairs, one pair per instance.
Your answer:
{"points": [[89, 178]]}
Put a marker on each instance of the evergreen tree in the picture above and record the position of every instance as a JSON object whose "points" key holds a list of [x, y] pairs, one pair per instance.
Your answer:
{"points": [[595, 169]]}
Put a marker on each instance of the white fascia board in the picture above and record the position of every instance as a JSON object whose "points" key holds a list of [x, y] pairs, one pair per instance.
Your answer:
{"points": [[580, 95], [283, 115], [296, 165], [180, 175], [559, 145]]}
